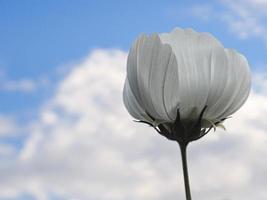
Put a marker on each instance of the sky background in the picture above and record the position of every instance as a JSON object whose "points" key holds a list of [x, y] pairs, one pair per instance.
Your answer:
{"points": [[64, 132]]}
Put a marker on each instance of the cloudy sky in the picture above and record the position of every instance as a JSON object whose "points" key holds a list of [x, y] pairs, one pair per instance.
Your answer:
{"points": [[64, 132]]}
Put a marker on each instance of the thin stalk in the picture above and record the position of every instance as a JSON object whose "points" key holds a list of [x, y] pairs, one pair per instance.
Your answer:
{"points": [[185, 171]]}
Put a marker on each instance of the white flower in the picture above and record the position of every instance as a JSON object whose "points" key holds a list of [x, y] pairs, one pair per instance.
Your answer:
{"points": [[184, 72]]}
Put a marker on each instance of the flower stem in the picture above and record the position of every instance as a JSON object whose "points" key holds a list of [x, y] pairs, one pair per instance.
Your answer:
{"points": [[185, 170]]}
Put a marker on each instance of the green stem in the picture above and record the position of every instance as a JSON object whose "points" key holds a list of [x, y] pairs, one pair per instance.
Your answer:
{"points": [[185, 170]]}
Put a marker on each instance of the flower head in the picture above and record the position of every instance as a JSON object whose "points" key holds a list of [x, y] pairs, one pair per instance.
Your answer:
{"points": [[184, 83]]}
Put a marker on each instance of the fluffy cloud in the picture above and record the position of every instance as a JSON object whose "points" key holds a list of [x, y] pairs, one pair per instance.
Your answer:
{"points": [[24, 85], [84, 145], [260, 83], [245, 18], [7, 126]]}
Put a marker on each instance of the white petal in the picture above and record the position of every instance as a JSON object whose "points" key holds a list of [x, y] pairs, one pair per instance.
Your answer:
{"points": [[132, 105], [161, 60], [145, 56], [147, 65], [239, 89], [132, 68], [186, 70], [171, 88], [219, 71], [193, 53], [138, 72]]}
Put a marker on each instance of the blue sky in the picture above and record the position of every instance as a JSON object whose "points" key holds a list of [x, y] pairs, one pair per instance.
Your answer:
{"points": [[37, 37], [46, 45]]}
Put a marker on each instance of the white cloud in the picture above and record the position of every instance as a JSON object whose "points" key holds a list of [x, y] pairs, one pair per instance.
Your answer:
{"points": [[260, 82], [6, 151], [203, 11], [24, 85], [85, 146], [245, 18], [8, 126], [259, 4]]}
